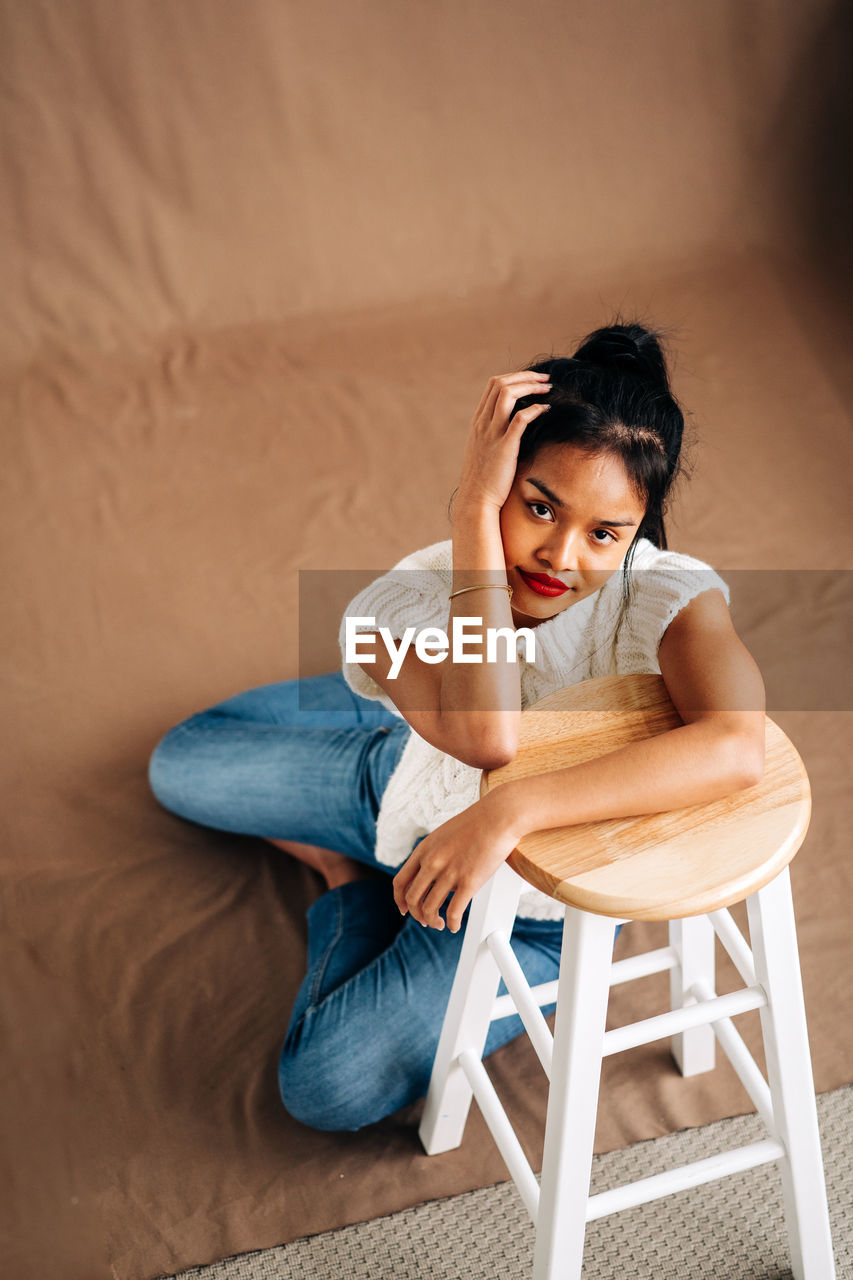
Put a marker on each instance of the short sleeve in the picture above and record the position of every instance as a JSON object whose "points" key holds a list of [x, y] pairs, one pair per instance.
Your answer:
{"points": [[662, 584], [412, 594]]}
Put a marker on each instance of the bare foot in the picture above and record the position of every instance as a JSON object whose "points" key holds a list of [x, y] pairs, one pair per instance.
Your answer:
{"points": [[335, 868]]}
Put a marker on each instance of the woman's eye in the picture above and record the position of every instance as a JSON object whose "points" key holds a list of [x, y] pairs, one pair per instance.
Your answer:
{"points": [[608, 537], [541, 506]]}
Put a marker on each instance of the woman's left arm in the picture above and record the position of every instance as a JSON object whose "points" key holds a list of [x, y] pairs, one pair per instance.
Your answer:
{"points": [[715, 686]]}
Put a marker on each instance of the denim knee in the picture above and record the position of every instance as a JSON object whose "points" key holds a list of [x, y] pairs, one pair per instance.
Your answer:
{"points": [[325, 1088], [160, 768], [167, 766], [318, 1096], [308, 1101]]}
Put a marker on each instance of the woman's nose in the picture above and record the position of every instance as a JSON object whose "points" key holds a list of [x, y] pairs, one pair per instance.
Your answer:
{"points": [[561, 553]]}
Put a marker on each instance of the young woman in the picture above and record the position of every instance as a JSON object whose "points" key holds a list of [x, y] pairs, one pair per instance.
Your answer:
{"points": [[371, 774]]}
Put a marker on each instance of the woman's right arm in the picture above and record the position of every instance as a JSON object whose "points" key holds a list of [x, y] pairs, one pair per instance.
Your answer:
{"points": [[471, 710]]}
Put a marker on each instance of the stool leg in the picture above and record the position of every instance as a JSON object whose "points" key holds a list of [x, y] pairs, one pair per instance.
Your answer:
{"points": [[694, 940], [469, 1012], [783, 1023], [573, 1096]]}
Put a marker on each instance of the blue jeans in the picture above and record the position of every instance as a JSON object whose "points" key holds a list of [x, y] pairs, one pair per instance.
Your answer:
{"points": [[308, 760]]}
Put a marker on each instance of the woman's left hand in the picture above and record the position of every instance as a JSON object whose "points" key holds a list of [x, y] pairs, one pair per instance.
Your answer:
{"points": [[457, 858]]}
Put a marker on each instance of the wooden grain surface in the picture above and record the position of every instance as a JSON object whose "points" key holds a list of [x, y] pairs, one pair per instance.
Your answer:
{"points": [[656, 866]]}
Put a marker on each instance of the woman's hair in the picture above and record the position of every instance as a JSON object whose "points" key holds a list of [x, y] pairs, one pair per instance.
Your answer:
{"points": [[613, 396]]}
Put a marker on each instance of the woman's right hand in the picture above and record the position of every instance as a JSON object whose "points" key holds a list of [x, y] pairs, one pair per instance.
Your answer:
{"points": [[491, 451]]}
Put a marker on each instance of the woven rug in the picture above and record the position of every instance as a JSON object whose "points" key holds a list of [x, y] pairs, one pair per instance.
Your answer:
{"points": [[732, 1229]]}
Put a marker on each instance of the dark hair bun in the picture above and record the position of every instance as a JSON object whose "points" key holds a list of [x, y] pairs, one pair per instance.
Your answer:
{"points": [[628, 348], [613, 396]]}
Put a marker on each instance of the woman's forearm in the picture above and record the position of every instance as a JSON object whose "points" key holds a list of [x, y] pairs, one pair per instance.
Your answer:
{"points": [[482, 699], [692, 764]]}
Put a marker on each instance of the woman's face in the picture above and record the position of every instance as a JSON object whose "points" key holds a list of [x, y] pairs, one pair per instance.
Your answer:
{"points": [[569, 519]]}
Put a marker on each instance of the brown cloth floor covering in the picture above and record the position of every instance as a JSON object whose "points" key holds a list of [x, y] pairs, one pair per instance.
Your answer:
{"points": [[261, 261]]}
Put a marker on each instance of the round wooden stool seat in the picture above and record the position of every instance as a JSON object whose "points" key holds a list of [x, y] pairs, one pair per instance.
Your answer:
{"points": [[659, 866]]}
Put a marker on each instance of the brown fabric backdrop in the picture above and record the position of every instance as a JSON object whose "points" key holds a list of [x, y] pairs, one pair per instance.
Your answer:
{"points": [[259, 261]]}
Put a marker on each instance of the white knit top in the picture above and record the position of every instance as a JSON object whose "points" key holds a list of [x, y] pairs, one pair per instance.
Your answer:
{"points": [[583, 642]]}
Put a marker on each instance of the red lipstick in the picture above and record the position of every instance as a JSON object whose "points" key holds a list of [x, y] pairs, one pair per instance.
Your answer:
{"points": [[542, 584]]}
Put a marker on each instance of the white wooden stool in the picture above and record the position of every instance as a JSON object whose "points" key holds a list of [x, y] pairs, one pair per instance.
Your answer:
{"points": [[685, 866]]}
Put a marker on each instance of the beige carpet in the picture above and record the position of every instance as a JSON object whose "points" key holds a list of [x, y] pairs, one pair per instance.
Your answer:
{"points": [[732, 1229]]}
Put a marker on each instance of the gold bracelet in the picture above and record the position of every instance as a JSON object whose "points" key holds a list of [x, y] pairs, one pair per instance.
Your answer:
{"points": [[504, 586]]}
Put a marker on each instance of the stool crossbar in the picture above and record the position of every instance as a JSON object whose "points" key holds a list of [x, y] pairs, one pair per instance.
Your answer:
{"points": [[698, 1019]]}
